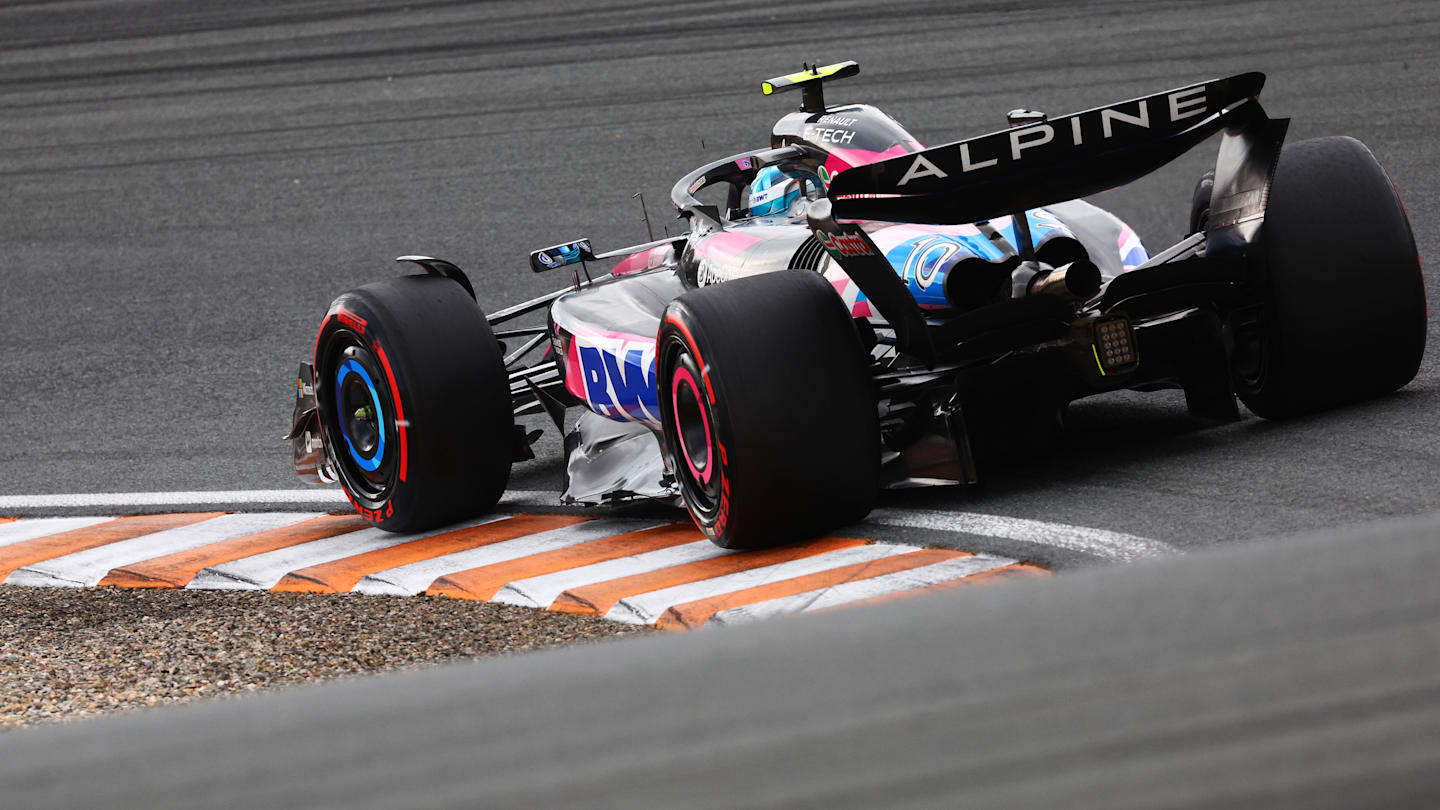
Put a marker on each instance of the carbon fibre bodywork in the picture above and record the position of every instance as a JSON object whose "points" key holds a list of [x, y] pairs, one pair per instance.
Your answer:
{"points": [[986, 292]]}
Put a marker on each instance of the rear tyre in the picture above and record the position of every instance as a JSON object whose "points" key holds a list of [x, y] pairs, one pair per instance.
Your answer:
{"points": [[768, 409], [414, 402], [1341, 313]]}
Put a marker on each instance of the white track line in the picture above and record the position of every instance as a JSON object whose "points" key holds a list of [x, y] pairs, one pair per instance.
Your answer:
{"points": [[87, 568], [646, 608], [858, 590], [317, 497], [1098, 542], [542, 591], [413, 578], [262, 571], [31, 528]]}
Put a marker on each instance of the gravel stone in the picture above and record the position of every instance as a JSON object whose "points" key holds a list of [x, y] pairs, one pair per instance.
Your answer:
{"points": [[69, 653]]}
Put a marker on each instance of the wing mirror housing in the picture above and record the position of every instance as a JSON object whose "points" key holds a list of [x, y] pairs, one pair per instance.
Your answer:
{"points": [[561, 255]]}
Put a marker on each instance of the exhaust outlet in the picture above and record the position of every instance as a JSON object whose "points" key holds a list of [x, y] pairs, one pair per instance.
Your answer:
{"points": [[975, 282], [1079, 280]]}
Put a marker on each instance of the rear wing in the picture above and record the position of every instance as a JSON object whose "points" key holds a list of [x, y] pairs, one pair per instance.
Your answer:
{"points": [[1074, 156]]}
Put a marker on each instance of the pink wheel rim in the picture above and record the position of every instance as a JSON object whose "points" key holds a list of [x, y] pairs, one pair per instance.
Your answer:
{"points": [[683, 376]]}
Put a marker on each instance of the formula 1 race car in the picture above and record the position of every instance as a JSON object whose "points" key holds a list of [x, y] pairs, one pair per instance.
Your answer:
{"points": [[850, 311]]}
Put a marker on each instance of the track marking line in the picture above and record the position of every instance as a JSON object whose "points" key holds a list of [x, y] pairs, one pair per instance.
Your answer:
{"points": [[694, 614], [484, 582], [98, 532], [646, 608], [599, 598], [341, 575], [178, 569], [858, 590], [418, 576], [318, 497], [542, 591], [263, 571], [1096, 542], [88, 567]]}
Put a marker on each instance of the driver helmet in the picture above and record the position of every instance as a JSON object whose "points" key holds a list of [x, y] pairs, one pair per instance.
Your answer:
{"points": [[773, 192]]}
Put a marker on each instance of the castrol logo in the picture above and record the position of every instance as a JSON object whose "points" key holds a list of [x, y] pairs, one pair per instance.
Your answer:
{"points": [[844, 244]]}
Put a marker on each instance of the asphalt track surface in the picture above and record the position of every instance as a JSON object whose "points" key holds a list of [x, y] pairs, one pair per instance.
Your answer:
{"points": [[1236, 678], [187, 187]]}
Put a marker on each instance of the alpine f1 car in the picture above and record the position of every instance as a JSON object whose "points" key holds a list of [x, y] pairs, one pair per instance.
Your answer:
{"points": [[850, 311]]}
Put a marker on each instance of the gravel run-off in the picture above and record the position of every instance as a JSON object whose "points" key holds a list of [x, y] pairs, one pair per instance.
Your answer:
{"points": [[70, 653]]}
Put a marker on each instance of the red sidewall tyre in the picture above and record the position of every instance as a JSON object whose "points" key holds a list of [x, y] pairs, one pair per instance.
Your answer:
{"points": [[414, 403], [768, 409]]}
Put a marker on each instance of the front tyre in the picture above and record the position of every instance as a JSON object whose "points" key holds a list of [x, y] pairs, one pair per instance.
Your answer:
{"points": [[414, 402], [1341, 313], [768, 409]]}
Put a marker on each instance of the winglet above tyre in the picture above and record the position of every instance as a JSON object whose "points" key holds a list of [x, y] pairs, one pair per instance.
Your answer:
{"points": [[440, 267]]}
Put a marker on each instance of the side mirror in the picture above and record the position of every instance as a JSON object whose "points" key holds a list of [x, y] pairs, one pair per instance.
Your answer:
{"points": [[562, 255]]}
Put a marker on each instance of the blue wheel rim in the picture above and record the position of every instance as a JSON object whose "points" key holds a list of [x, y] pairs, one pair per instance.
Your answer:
{"points": [[346, 368]]}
